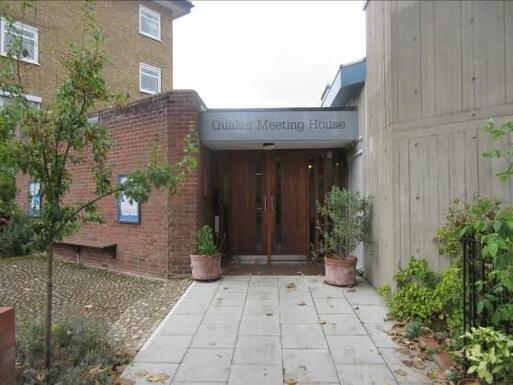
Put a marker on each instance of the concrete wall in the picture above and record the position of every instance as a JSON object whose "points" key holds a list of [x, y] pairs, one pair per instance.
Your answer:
{"points": [[60, 22], [436, 71]]}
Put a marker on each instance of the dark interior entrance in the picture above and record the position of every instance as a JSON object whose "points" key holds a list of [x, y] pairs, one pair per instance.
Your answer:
{"points": [[264, 201]]}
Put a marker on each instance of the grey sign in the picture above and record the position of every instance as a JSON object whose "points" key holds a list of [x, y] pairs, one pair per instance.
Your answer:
{"points": [[242, 128]]}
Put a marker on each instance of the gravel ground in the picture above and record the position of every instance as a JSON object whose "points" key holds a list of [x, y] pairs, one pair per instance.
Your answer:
{"points": [[132, 306]]}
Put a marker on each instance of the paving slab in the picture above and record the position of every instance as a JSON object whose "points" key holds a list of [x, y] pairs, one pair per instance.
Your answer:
{"points": [[267, 330], [256, 375], [207, 365], [257, 350], [309, 366], [341, 324]]}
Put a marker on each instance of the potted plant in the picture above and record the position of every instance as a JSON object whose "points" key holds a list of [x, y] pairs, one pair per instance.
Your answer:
{"points": [[206, 264], [342, 222]]}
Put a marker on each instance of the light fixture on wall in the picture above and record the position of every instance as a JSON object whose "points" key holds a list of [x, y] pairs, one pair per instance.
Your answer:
{"points": [[268, 146]]}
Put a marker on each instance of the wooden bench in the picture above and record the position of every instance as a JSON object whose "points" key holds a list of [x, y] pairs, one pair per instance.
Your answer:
{"points": [[77, 245]]}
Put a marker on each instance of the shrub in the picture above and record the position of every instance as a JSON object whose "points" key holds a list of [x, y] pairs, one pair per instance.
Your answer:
{"points": [[448, 236], [343, 221], [82, 352], [413, 329], [385, 292], [450, 290], [16, 238], [416, 297], [490, 354]]}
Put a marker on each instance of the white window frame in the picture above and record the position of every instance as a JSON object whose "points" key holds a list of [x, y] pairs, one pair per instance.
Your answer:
{"points": [[143, 9], [34, 30], [151, 68]]}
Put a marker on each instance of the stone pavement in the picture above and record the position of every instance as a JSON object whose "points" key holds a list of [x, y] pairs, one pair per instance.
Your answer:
{"points": [[274, 330]]}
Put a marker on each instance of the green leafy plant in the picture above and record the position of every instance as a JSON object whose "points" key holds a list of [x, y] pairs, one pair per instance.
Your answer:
{"points": [[413, 329], [16, 237], [415, 297], [343, 221], [385, 292], [44, 142], [505, 152], [449, 289], [206, 242], [461, 213], [490, 354]]}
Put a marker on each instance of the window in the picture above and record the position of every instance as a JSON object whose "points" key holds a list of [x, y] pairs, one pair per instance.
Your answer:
{"points": [[29, 40], [149, 23], [128, 212], [34, 207], [149, 79]]}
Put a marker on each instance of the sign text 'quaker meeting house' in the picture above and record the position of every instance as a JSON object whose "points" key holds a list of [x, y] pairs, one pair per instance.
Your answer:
{"points": [[279, 128]]}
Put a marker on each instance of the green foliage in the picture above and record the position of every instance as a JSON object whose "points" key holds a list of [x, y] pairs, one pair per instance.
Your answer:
{"points": [[16, 237], [490, 354], [460, 213], [424, 296], [505, 152], [205, 241], [449, 289], [83, 353], [385, 292], [343, 221], [413, 329], [7, 191]]}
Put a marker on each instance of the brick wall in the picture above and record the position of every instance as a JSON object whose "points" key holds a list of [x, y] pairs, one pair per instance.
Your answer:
{"points": [[160, 245], [7, 345], [59, 23]]}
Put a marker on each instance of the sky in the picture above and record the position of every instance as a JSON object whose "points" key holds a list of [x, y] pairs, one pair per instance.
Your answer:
{"points": [[238, 54]]}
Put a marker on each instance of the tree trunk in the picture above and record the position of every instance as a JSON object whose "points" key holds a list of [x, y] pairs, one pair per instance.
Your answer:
{"points": [[48, 320]]}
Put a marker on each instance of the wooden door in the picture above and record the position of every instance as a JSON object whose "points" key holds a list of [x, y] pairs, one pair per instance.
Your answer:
{"points": [[289, 197], [269, 203], [247, 202]]}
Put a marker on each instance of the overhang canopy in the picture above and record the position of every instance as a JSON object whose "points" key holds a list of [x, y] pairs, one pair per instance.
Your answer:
{"points": [[349, 79], [278, 128]]}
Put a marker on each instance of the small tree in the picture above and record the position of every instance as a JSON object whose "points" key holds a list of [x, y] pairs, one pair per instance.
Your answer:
{"points": [[44, 142], [505, 152], [343, 221]]}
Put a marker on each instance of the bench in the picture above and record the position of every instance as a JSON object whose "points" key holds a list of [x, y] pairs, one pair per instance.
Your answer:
{"points": [[77, 245]]}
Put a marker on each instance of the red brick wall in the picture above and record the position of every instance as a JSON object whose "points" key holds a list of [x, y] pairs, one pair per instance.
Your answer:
{"points": [[7, 345], [160, 245]]}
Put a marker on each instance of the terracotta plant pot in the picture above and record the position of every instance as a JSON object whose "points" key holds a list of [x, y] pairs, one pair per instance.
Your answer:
{"points": [[206, 267], [340, 271], [469, 381]]}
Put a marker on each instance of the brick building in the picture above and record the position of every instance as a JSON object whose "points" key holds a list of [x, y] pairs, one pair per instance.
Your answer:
{"points": [[138, 42]]}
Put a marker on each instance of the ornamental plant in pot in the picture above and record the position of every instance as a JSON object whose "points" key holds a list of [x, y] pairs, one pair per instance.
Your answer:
{"points": [[343, 224], [206, 264]]}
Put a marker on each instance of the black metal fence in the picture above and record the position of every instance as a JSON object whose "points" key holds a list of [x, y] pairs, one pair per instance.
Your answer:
{"points": [[477, 286]]}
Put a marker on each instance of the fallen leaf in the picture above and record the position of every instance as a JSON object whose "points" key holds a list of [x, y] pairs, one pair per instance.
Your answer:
{"points": [[291, 381], [159, 377], [88, 307], [302, 303], [322, 322], [407, 363], [268, 314], [141, 373], [291, 285], [400, 372]]}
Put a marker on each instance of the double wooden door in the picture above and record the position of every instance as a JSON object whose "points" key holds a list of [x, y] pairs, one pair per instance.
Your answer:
{"points": [[269, 203]]}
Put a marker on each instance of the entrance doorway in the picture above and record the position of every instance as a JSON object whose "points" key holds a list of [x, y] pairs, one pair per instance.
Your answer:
{"points": [[269, 203], [264, 202]]}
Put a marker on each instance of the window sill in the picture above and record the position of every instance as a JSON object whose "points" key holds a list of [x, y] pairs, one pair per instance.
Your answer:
{"points": [[22, 60], [150, 36], [148, 92]]}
